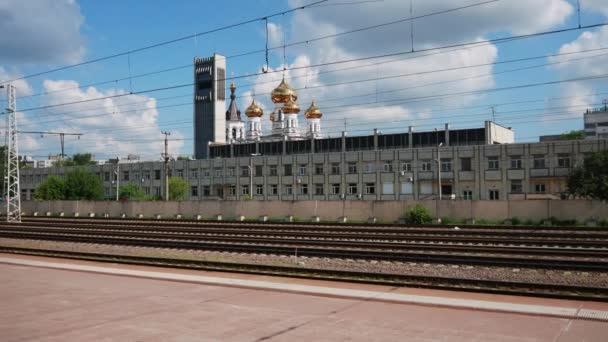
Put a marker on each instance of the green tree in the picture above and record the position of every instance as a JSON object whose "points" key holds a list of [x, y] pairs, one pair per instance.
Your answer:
{"points": [[178, 188], [132, 192], [573, 135], [82, 184], [591, 179], [52, 188], [183, 158], [83, 159]]}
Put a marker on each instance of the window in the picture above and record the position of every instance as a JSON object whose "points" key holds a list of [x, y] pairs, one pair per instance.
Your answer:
{"points": [[563, 160], [106, 176], [516, 162], [147, 191], [494, 195], [230, 171], [319, 169], [304, 189], [406, 166], [446, 165], [157, 191], [465, 164], [259, 189], [302, 170], [288, 189], [125, 175], [259, 170], [145, 175], [407, 188], [157, 174], [370, 188], [107, 192], [539, 188], [218, 172], [244, 171], [319, 189], [426, 188], [425, 165], [194, 191], [179, 173], [335, 168], [135, 176], [274, 189], [206, 190], [272, 170], [232, 190], [193, 173], [335, 189], [388, 188], [352, 188], [539, 162], [206, 172], [245, 189], [467, 195], [370, 167], [516, 187], [352, 167], [493, 163], [287, 170], [387, 166]]}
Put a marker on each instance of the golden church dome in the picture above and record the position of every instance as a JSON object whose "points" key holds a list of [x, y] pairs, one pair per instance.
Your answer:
{"points": [[254, 111], [313, 112], [290, 107], [283, 93]]}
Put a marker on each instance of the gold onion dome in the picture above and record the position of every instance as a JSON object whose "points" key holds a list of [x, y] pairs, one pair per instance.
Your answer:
{"points": [[272, 117], [313, 112], [290, 107], [283, 93], [254, 111]]}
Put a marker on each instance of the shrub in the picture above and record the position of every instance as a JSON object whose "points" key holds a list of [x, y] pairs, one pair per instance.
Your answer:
{"points": [[515, 221], [53, 188], [418, 215]]}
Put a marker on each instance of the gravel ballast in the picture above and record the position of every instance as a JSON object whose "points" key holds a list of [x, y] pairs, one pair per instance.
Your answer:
{"points": [[563, 277]]}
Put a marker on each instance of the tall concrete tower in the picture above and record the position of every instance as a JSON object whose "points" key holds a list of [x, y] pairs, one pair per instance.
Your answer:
{"points": [[209, 103]]}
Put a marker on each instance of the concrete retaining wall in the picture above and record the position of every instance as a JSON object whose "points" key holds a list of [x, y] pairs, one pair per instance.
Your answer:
{"points": [[384, 211]]}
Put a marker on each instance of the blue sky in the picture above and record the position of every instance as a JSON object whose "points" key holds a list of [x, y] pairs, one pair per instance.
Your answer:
{"points": [[52, 34]]}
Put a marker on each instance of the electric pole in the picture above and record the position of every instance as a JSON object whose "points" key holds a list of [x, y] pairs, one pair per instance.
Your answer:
{"points": [[166, 158], [13, 192], [61, 139]]}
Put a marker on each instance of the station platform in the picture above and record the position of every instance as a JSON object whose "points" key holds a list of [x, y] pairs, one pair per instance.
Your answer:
{"points": [[64, 300]]}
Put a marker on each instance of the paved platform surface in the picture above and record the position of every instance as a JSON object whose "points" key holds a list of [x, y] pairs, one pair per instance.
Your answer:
{"points": [[56, 300]]}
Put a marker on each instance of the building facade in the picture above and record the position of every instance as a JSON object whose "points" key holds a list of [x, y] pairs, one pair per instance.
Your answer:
{"points": [[596, 123], [468, 172], [209, 100]]}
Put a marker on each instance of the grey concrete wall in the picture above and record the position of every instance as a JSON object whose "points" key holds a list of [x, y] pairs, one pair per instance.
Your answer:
{"points": [[384, 211]]}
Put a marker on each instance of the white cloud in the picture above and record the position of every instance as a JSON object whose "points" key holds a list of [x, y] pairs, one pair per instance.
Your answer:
{"points": [[595, 5], [578, 92], [22, 87], [473, 24], [115, 126], [40, 31]]}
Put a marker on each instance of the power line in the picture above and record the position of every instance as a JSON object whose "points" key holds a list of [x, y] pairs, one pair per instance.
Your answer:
{"points": [[249, 21], [277, 47]]}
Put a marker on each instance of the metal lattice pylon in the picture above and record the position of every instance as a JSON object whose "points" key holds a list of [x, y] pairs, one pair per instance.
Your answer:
{"points": [[13, 191]]}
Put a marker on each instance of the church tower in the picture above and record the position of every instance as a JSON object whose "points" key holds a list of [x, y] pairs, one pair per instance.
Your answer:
{"points": [[235, 127]]}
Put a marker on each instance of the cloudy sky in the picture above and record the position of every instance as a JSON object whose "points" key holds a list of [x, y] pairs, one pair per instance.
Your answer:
{"points": [[535, 84]]}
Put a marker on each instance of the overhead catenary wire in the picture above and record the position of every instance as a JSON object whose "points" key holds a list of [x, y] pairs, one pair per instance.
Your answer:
{"points": [[148, 47], [278, 47]]}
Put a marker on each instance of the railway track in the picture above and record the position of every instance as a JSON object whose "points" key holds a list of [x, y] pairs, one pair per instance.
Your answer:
{"points": [[473, 285], [321, 249]]}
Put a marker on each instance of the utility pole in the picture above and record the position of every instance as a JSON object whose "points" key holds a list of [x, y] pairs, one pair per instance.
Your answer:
{"points": [[166, 158], [61, 138], [13, 191]]}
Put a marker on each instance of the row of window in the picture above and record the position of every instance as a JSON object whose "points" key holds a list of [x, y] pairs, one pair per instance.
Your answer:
{"points": [[388, 188], [493, 163]]}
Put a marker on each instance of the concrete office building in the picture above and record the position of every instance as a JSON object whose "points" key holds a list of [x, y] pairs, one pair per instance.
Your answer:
{"points": [[596, 123], [472, 165]]}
